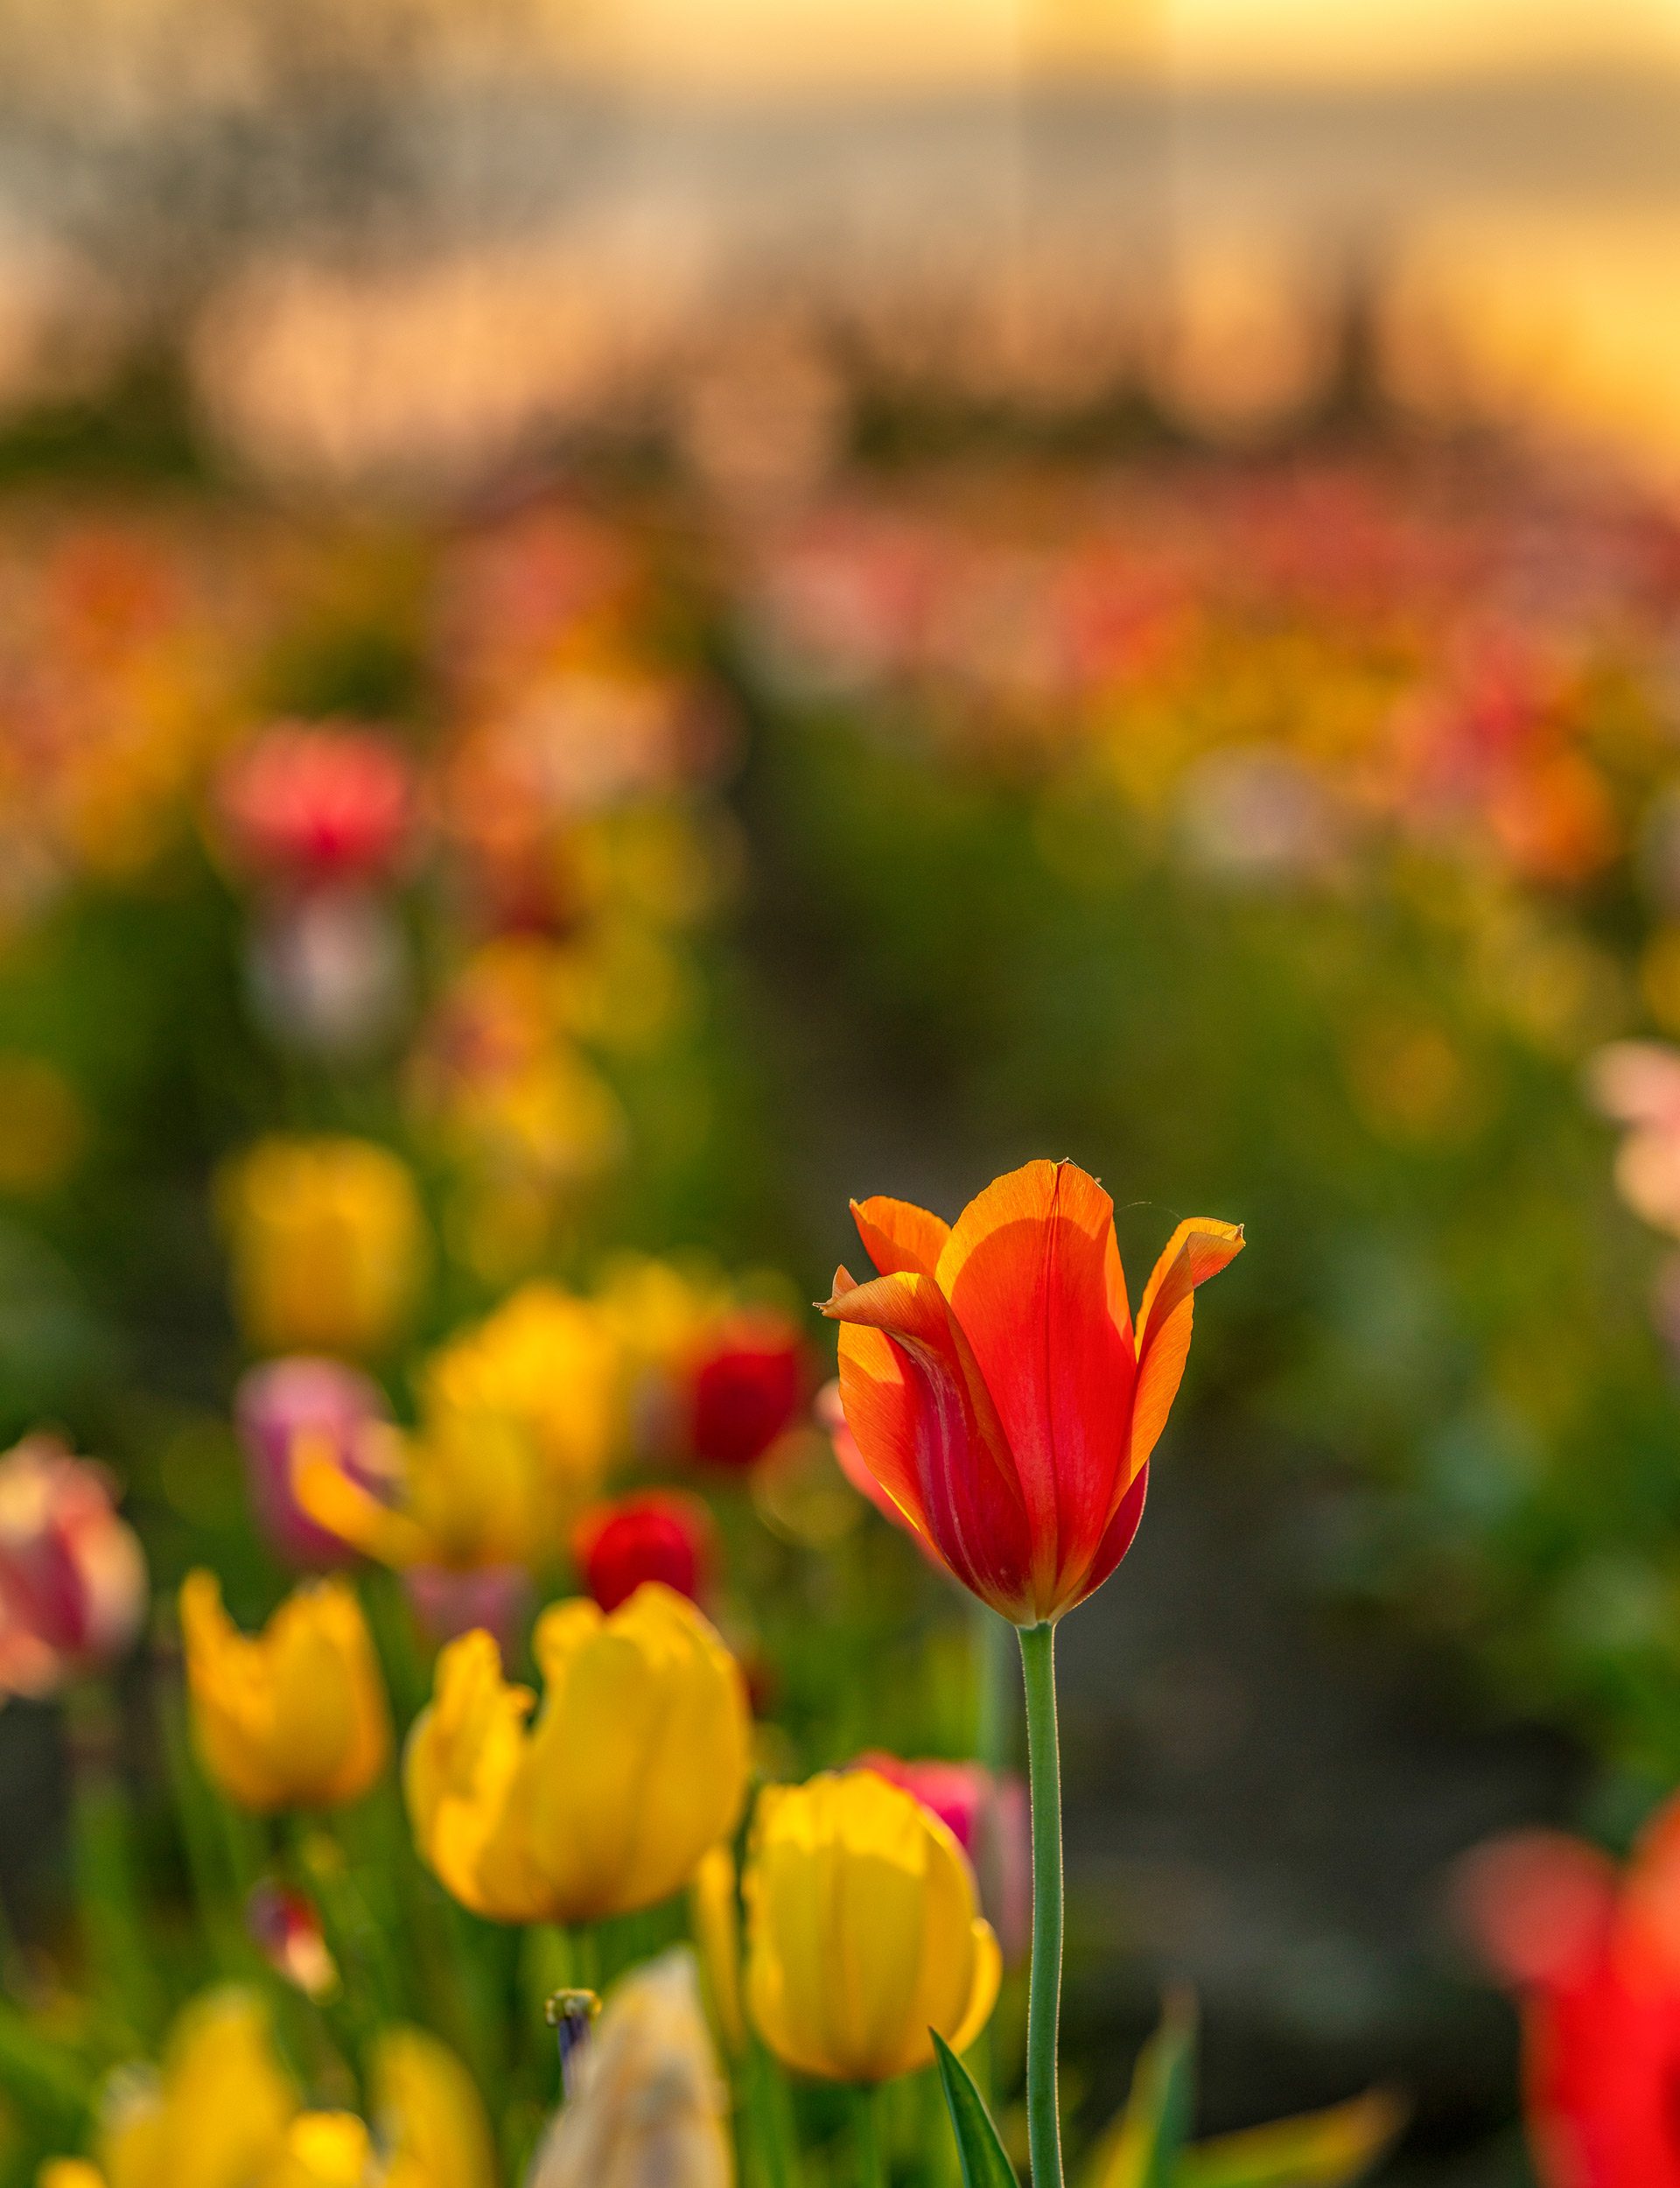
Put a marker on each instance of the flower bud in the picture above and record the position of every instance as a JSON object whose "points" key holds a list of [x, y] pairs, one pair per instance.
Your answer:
{"points": [[72, 1578], [661, 1535], [863, 1930], [306, 1410], [294, 1717]]}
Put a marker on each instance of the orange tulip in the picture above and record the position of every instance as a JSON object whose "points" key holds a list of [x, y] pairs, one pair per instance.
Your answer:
{"points": [[998, 1389]]}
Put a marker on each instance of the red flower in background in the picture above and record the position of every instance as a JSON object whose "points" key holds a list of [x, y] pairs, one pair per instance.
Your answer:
{"points": [[745, 1388], [72, 1578], [304, 807], [1594, 1959], [661, 1535], [997, 1389]]}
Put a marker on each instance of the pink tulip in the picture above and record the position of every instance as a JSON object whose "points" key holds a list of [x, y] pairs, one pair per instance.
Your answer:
{"points": [[286, 1405], [73, 1577]]}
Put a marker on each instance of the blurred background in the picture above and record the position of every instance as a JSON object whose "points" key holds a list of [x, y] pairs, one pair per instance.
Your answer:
{"points": [[985, 578]]}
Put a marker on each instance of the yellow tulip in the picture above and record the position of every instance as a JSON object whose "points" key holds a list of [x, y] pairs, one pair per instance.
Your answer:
{"points": [[521, 1417], [546, 1364], [328, 1244], [430, 2120], [649, 2107], [322, 2149], [294, 1717], [215, 2116], [863, 1930], [635, 1766], [223, 2113]]}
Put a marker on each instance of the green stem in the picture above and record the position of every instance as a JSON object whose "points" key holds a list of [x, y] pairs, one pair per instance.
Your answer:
{"points": [[866, 2137], [1044, 1996]]}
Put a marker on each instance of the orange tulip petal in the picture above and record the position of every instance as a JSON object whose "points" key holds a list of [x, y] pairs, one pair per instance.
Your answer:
{"points": [[1196, 1251], [918, 1408], [1033, 1273], [897, 1237]]}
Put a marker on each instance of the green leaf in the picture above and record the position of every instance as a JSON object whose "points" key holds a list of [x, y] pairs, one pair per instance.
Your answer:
{"points": [[1317, 2150], [984, 2165], [1145, 2146]]}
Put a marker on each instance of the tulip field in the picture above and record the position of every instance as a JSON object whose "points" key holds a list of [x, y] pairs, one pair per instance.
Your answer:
{"points": [[616, 1115]]}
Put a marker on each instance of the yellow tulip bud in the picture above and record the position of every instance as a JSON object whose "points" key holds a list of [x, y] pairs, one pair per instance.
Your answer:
{"points": [[323, 2150], [635, 1766], [863, 1930], [215, 2116], [222, 2113], [429, 2115], [294, 1717], [649, 2109], [328, 1244]]}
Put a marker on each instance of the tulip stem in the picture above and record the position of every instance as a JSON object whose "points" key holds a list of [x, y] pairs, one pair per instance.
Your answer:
{"points": [[1044, 1996], [866, 2137]]}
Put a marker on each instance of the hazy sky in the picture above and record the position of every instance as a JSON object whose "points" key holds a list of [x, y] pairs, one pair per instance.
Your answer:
{"points": [[844, 42]]}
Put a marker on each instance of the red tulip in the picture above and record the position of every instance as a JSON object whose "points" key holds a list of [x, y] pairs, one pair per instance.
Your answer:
{"points": [[745, 1389], [661, 1535], [72, 1579], [305, 807], [1595, 1961], [997, 1388]]}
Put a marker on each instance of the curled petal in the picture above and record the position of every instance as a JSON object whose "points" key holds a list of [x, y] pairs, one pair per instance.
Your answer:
{"points": [[1196, 1251]]}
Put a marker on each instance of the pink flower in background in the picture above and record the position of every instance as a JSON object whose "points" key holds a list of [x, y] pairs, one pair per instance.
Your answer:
{"points": [[309, 806], [286, 1930], [72, 1578], [987, 1813], [288, 1406]]}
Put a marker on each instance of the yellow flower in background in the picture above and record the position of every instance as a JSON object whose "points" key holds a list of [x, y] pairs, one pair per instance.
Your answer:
{"points": [[650, 2110], [223, 2113], [323, 2150], [863, 1930], [635, 1767], [328, 1244], [547, 1367], [294, 1717], [215, 2116], [428, 2114], [521, 1417]]}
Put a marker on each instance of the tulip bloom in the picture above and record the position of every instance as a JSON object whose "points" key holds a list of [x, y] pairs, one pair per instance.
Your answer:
{"points": [[636, 1765], [295, 1717], [661, 1535], [744, 1388], [72, 1578], [650, 2109], [327, 1243], [996, 1386], [520, 1416], [302, 1410], [986, 1813], [1594, 1959], [223, 2113], [863, 1930], [305, 808]]}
